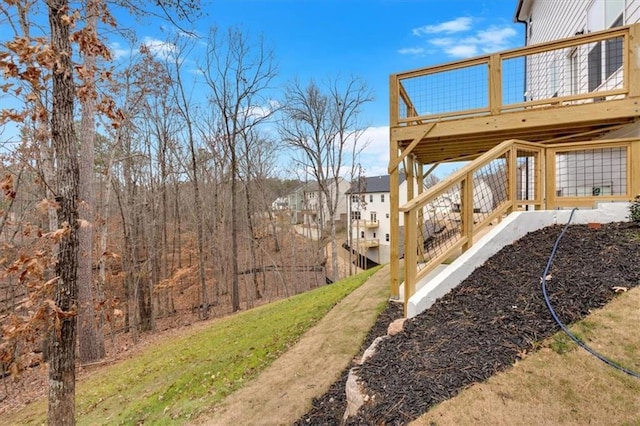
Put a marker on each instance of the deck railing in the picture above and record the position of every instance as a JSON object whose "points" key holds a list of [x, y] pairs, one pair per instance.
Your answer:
{"points": [[587, 68], [515, 175], [369, 224]]}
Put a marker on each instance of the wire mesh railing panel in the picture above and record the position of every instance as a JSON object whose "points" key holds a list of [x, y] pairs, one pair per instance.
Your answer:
{"points": [[490, 188], [578, 70], [403, 110], [597, 172], [513, 80], [447, 91], [440, 225], [571, 71], [527, 175]]}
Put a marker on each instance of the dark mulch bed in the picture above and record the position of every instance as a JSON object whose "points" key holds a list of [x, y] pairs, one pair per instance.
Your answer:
{"points": [[482, 326]]}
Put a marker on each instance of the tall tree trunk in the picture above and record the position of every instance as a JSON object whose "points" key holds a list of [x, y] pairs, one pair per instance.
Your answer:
{"points": [[62, 365], [235, 284], [204, 299], [102, 250], [252, 245], [90, 334], [140, 269], [274, 229], [334, 252]]}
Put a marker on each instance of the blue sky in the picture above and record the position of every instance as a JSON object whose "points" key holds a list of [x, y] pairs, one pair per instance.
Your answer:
{"points": [[370, 39]]}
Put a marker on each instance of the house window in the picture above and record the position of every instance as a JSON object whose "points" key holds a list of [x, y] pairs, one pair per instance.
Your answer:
{"points": [[374, 216], [595, 72], [387, 215], [355, 215], [371, 198], [613, 51], [386, 237], [602, 63], [355, 198], [361, 234], [575, 71], [382, 198], [374, 235]]}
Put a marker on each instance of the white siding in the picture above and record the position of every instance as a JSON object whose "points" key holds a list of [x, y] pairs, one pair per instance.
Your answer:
{"points": [[580, 172], [556, 19], [380, 254], [632, 13]]}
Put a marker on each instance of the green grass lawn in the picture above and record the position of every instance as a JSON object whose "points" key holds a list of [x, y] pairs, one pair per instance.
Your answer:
{"points": [[176, 379]]}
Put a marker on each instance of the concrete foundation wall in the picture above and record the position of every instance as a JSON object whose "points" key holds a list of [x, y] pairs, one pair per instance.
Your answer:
{"points": [[512, 228]]}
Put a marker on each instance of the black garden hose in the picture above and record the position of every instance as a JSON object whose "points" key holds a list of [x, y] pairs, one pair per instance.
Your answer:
{"points": [[543, 281]]}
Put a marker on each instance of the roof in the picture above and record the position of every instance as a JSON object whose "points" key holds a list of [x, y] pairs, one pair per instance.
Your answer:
{"points": [[522, 9], [372, 185], [314, 186]]}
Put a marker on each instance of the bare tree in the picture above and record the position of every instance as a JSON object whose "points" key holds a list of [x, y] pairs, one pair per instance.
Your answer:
{"points": [[62, 365], [185, 106], [238, 75], [256, 162], [37, 64], [91, 337], [321, 124]]}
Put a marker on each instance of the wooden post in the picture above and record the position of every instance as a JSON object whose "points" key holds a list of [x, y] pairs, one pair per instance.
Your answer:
{"points": [[632, 60], [550, 179], [466, 201], [541, 174], [410, 256], [394, 192], [495, 84], [512, 178], [633, 165]]}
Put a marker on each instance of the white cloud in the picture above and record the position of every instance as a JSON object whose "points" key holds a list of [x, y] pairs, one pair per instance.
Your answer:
{"points": [[159, 48], [488, 40], [460, 38], [411, 51], [375, 157], [259, 112], [442, 42], [377, 141], [462, 51], [449, 27], [495, 38], [117, 51]]}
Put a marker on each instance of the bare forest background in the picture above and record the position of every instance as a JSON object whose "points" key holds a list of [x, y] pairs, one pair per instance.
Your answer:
{"points": [[137, 194]]}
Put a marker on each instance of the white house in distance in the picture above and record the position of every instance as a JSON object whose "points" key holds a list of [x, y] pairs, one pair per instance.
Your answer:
{"points": [[368, 210], [312, 204], [579, 173]]}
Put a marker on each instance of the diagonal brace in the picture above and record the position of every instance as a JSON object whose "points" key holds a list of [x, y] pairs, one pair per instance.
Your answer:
{"points": [[393, 164]]}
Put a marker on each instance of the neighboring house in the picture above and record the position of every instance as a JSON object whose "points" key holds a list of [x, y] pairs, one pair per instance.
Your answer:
{"points": [[370, 206], [308, 205], [483, 198], [369, 209], [280, 203], [295, 203]]}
